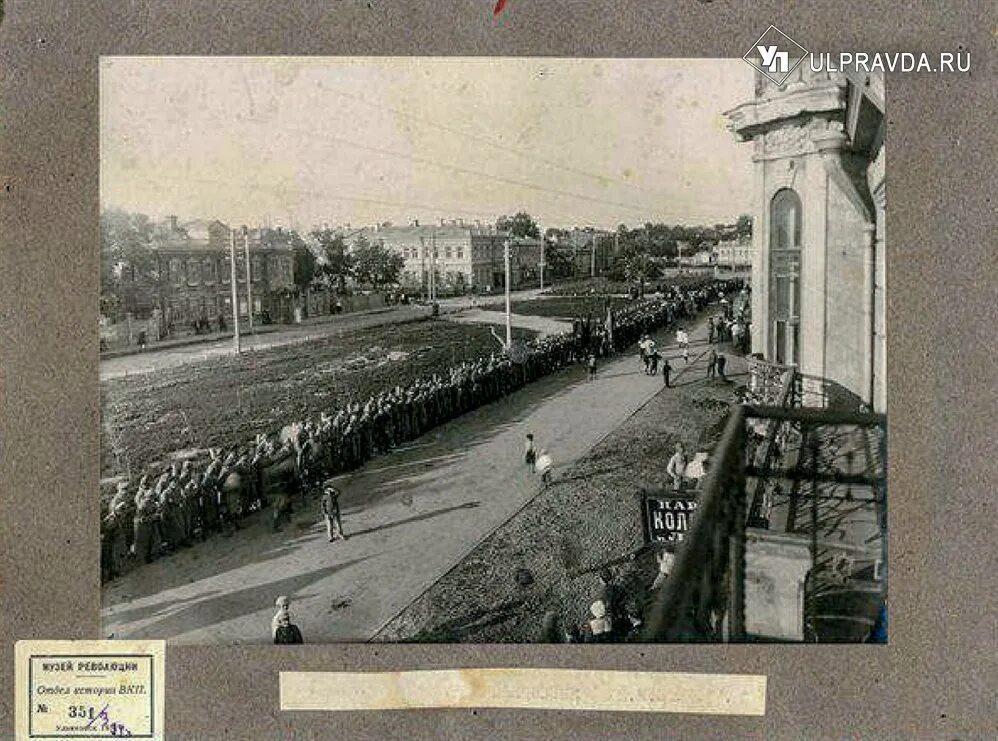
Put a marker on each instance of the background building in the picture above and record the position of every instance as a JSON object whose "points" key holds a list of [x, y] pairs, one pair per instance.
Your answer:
{"points": [[587, 251], [463, 256], [733, 255], [195, 272]]}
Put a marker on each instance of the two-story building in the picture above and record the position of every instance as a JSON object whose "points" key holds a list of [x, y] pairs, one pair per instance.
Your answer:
{"points": [[460, 256], [193, 261]]}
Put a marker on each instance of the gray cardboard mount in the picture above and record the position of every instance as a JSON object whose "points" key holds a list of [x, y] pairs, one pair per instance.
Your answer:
{"points": [[936, 678]]}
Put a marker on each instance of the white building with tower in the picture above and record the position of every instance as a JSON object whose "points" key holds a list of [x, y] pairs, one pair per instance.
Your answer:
{"points": [[819, 273]]}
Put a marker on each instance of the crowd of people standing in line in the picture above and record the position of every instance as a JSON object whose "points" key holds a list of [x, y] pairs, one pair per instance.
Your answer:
{"points": [[175, 506]]}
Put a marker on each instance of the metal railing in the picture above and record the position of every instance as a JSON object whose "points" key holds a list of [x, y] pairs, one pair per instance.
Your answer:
{"points": [[704, 598]]}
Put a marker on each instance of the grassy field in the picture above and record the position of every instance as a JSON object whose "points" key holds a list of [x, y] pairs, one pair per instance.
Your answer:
{"points": [[590, 516], [229, 400]]}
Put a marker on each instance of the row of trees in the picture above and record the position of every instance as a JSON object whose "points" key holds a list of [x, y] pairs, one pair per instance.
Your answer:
{"points": [[366, 262], [635, 247]]}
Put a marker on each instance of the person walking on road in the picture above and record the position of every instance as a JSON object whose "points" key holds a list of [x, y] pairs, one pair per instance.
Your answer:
{"points": [[644, 348], [682, 339], [721, 362], [711, 363], [666, 372], [592, 367], [543, 468], [529, 452], [330, 504], [653, 362]]}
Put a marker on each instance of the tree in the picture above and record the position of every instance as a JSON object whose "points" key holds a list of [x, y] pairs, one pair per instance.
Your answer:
{"points": [[519, 225], [304, 268], [339, 262], [744, 226], [129, 274], [375, 264], [638, 267], [558, 259]]}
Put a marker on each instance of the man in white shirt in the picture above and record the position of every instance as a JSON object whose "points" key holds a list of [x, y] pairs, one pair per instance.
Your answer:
{"points": [[677, 467], [543, 467], [665, 561]]}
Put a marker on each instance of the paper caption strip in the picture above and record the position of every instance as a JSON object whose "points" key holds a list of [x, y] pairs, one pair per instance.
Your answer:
{"points": [[539, 689]]}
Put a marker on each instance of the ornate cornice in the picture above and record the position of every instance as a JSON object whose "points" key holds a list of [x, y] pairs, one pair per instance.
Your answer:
{"points": [[802, 136], [757, 116]]}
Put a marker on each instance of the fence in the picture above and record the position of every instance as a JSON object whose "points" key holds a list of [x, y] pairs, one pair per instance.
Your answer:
{"points": [[125, 334]]}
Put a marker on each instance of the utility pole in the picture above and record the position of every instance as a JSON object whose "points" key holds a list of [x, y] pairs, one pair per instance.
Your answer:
{"points": [[433, 268], [235, 293], [542, 264], [509, 326], [592, 261], [249, 278], [425, 283]]}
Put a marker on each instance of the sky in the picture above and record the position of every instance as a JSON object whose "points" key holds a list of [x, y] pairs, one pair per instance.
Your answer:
{"points": [[306, 141]]}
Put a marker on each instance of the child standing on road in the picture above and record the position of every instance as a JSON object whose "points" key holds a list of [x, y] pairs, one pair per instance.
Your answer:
{"points": [[592, 367]]}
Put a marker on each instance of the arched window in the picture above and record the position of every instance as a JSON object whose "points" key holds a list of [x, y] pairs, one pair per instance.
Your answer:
{"points": [[784, 292], [784, 223]]}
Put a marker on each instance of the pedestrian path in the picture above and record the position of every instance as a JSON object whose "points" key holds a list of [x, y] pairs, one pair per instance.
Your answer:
{"points": [[410, 517], [542, 325], [157, 359]]}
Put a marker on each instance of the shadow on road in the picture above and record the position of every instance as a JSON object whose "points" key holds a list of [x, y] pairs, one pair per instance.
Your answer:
{"points": [[206, 612], [415, 518]]}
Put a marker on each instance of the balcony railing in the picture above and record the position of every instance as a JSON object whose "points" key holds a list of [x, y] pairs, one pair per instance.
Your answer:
{"points": [[813, 475]]}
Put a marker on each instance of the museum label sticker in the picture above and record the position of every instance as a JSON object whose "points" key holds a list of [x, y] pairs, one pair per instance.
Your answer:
{"points": [[89, 689]]}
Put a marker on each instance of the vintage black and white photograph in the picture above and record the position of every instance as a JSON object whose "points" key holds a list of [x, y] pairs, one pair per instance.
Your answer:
{"points": [[491, 350]]}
